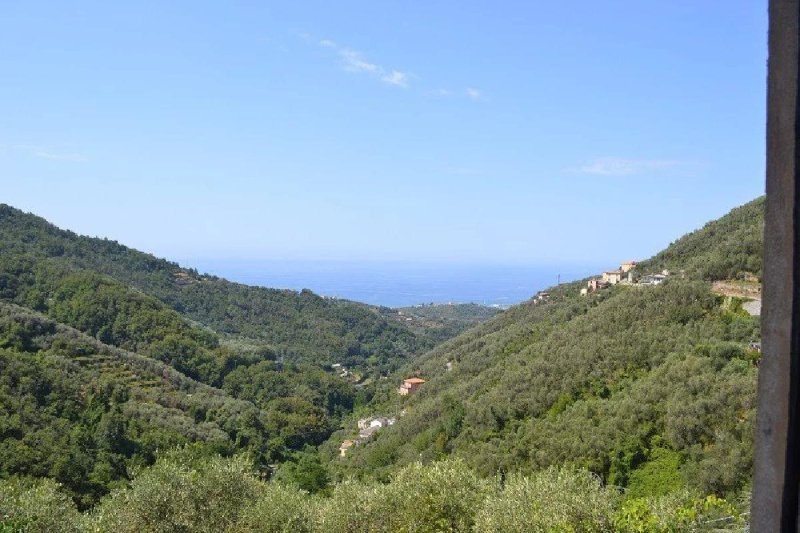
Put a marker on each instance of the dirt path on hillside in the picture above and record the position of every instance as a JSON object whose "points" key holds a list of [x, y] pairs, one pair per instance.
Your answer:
{"points": [[739, 289]]}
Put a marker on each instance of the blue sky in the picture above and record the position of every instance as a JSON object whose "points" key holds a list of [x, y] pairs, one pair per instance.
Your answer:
{"points": [[502, 132]]}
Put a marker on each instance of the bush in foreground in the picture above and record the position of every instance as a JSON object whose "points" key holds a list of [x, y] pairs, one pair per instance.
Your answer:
{"points": [[37, 505], [556, 499], [190, 493], [205, 495]]}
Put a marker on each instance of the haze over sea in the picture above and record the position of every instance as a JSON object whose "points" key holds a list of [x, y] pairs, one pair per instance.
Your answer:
{"points": [[399, 284]]}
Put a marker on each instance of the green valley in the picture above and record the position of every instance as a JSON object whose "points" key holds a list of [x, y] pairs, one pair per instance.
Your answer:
{"points": [[128, 381]]}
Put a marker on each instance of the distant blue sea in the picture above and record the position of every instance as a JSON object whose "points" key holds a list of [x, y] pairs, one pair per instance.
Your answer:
{"points": [[400, 284]]}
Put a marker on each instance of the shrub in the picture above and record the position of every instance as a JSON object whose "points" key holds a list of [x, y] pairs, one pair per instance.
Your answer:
{"points": [[353, 507], [205, 495], [442, 496], [676, 512], [556, 499], [36, 505], [280, 509]]}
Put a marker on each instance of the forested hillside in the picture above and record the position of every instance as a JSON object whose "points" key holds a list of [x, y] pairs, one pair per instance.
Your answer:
{"points": [[93, 333], [110, 355], [722, 249], [300, 326], [440, 322], [85, 413], [650, 387]]}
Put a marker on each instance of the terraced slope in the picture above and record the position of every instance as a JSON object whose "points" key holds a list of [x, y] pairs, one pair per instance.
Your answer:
{"points": [[84, 412]]}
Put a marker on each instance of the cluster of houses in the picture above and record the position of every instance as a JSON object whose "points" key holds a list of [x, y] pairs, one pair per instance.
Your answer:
{"points": [[366, 429], [368, 426], [623, 275]]}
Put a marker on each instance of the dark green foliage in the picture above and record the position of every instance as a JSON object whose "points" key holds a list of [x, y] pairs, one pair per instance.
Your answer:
{"points": [[114, 314], [143, 347], [649, 388], [299, 325], [83, 412], [456, 313], [265, 381], [305, 471]]}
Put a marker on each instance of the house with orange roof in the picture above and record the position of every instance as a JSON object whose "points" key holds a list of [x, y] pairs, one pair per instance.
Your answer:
{"points": [[410, 386]]}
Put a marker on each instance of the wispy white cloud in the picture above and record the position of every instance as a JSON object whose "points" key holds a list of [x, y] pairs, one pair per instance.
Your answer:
{"points": [[396, 77], [354, 61], [618, 166], [53, 155]]}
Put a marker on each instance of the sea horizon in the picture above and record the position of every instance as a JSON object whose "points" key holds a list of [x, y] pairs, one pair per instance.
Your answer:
{"points": [[400, 283]]}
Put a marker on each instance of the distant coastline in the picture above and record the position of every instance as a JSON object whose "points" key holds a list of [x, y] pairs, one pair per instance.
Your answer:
{"points": [[395, 284]]}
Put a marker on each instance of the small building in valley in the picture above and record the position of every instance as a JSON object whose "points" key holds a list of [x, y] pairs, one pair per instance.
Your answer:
{"points": [[381, 422], [346, 445], [410, 386], [375, 422]]}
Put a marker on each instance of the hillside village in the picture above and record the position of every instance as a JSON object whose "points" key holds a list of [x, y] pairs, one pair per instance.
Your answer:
{"points": [[748, 288], [625, 275], [367, 427]]}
